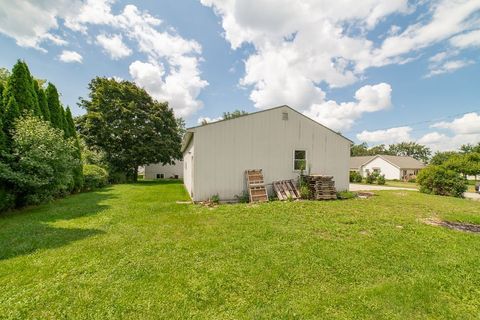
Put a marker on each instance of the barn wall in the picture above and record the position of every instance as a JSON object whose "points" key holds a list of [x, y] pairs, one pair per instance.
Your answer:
{"points": [[188, 164], [223, 151], [168, 171]]}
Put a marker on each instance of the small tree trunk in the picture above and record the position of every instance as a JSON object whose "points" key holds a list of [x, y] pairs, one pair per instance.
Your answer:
{"points": [[135, 174]]}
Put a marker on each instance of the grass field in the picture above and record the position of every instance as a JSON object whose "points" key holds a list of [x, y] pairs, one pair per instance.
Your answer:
{"points": [[411, 185], [132, 252]]}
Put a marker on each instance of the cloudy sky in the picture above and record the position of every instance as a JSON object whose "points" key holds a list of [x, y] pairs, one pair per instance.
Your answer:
{"points": [[377, 71]]}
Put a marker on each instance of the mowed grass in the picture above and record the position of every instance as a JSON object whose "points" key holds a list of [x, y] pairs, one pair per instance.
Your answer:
{"points": [[132, 252]]}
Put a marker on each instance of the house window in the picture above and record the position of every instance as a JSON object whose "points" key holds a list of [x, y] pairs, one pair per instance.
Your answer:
{"points": [[159, 175], [376, 170], [176, 176], [299, 160], [284, 115]]}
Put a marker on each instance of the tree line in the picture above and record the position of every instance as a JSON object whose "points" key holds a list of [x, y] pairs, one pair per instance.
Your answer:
{"points": [[39, 151], [45, 153]]}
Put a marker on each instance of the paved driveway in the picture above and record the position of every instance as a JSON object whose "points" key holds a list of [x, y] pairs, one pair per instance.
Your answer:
{"points": [[373, 187]]}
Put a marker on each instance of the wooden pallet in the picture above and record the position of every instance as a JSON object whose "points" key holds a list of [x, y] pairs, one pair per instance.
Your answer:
{"points": [[321, 187], [286, 189], [256, 186]]}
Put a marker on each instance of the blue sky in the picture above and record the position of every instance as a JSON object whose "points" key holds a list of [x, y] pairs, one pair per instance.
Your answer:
{"points": [[380, 72]]}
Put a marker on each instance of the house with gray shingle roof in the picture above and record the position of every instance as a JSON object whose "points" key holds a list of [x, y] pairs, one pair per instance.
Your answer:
{"points": [[393, 167]]}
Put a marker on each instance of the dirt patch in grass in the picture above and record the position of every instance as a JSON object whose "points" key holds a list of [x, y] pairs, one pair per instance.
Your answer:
{"points": [[466, 227]]}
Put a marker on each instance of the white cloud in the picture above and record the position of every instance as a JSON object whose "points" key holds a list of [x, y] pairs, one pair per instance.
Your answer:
{"points": [[29, 21], [180, 87], [114, 46], [465, 40], [342, 116], [388, 136], [70, 56], [448, 67], [467, 124], [302, 45], [208, 119]]}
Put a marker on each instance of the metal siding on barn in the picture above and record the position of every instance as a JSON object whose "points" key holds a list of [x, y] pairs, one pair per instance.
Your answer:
{"points": [[188, 165], [168, 171], [224, 150]]}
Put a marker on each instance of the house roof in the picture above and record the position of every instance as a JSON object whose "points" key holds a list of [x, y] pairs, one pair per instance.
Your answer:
{"points": [[401, 162], [192, 129], [357, 162]]}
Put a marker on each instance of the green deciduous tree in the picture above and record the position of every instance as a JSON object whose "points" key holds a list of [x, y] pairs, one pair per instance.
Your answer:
{"points": [[412, 149], [129, 126], [20, 86], [42, 161], [441, 181], [234, 114], [440, 157]]}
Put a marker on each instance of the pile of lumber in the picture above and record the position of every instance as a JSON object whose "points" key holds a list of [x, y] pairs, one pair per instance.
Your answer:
{"points": [[286, 189], [257, 191], [321, 187]]}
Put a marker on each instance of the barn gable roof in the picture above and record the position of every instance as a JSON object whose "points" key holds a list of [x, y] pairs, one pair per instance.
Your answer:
{"points": [[191, 130]]}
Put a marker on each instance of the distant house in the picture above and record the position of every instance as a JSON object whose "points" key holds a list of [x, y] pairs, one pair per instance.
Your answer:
{"points": [[280, 141], [393, 167], [169, 171]]}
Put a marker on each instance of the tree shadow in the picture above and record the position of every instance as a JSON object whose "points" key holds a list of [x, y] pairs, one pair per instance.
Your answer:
{"points": [[28, 230]]}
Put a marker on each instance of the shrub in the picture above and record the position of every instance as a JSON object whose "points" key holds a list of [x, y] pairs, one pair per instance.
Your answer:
{"points": [[243, 197], [355, 176], [371, 178], [41, 164], [215, 199], [94, 177], [344, 195], [381, 179], [117, 177], [441, 181], [412, 180], [305, 192]]}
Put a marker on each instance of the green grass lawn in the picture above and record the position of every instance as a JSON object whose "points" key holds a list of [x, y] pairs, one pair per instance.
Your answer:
{"points": [[132, 252]]}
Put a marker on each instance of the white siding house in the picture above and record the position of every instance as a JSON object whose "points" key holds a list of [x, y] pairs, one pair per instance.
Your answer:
{"points": [[217, 154], [393, 167], [159, 171]]}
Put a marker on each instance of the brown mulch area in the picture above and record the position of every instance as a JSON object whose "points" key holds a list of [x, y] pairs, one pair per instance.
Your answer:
{"points": [[466, 227]]}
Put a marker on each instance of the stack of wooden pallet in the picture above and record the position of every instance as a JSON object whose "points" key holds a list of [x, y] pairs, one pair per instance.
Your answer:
{"points": [[286, 189], [256, 186], [321, 187]]}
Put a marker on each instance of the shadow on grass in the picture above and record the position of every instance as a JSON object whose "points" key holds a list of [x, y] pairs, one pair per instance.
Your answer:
{"points": [[157, 182], [26, 231]]}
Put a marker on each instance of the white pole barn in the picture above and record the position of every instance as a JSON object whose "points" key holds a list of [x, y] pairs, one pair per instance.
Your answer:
{"points": [[277, 140]]}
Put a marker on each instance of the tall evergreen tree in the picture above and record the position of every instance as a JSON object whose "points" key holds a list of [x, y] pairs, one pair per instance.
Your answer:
{"points": [[63, 123], [54, 106], [1, 100], [42, 101], [12, 112], [70, 125], [20, 86]]}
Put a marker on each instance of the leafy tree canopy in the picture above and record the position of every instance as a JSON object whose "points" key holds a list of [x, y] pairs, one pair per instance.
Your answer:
{"points": [[234, 114], [129, 126]]}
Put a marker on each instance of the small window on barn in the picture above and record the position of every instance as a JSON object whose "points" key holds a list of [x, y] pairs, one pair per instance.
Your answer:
{"points": [[299, 160], [159, 175], [284, 115], [176, 176]]}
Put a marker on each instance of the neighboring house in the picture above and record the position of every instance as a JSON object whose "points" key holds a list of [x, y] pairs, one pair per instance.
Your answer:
{"points": [[280, 141], [393, 167], [159, 171]]}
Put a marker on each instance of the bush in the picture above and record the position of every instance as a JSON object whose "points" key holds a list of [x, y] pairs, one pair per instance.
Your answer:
{"points": [[305, 192], [413, 180], [355, 176], [381, 179], [41, 164], [371, 178], [116, 177], [441, 181], [215, 199], [94, 177], [243, 197]]}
